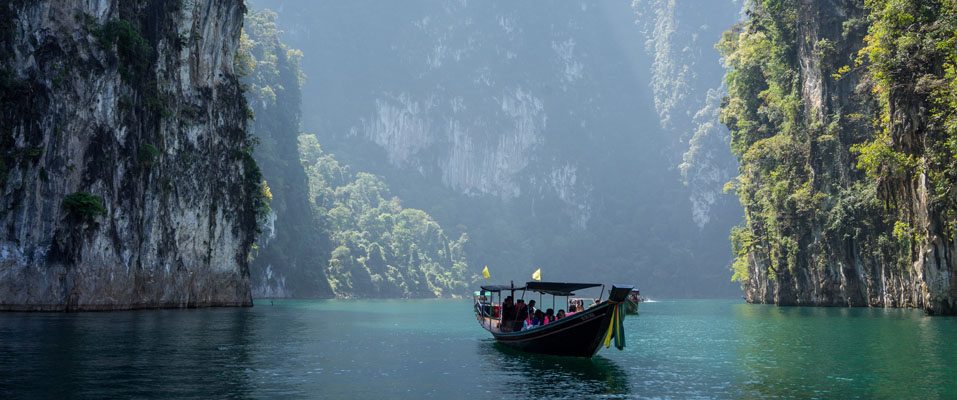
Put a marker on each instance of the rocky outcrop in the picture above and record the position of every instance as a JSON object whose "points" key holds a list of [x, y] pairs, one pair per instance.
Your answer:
{"points": [[125, 169], [847, 202]]}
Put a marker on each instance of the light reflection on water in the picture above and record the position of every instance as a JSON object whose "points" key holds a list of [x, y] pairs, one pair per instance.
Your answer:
{"points": [[435, 349]]}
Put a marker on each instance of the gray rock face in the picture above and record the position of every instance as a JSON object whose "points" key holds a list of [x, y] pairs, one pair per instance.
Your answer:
{"points": [[137, 106], [687, 93]]}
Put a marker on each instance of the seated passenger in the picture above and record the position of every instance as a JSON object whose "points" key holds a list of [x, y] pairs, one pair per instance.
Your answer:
{"points": [[571, 310], [560, 315], [549, 316], [539, 319]]}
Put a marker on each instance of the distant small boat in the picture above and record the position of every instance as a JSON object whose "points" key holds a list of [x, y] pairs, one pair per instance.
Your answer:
{"points": [[579, 335], [631, 304]]}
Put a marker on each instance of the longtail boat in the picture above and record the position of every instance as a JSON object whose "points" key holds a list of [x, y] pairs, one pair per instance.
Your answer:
{"points": [[631, 305], [579, 335]]}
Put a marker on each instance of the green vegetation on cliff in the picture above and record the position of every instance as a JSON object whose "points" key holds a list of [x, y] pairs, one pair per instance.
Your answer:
{"points": [[290, 256], [772, 136], [381, 248], [911, 52], [843, 118], [133, 50], [84, 205], [331, 232]]}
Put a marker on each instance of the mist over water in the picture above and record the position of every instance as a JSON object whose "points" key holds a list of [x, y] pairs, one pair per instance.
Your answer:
{"points": [[434, 349]]}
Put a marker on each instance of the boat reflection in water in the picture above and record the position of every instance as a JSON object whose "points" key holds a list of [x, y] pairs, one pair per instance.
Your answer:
{"points": [[527, 375]]}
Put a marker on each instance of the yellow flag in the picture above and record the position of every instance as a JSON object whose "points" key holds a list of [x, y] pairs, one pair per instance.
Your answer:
{"points": [[537, 275], [485, 273]]}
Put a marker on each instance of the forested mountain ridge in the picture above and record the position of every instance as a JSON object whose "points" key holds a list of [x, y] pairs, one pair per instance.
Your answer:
{"points": [[842, 115], [125, 171], [330, 232]]}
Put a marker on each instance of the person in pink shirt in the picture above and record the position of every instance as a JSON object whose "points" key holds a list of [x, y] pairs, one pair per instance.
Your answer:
{"points": [[549, 316]]}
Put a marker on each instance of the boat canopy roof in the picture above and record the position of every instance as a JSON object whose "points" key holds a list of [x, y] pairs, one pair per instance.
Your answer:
{"points": [[558, 288], [501, 288]]}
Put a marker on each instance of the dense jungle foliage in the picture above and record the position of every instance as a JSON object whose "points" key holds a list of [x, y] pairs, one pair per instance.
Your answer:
{"points": [[381, 248]]}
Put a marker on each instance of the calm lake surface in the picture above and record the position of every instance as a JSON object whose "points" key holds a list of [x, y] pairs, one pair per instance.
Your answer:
{"points": [[435, 349]]}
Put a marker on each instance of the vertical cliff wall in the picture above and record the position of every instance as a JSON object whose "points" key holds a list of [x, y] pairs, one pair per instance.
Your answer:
{"points": [[291, 254], [687, 88], [842, 115], [126, 174]]}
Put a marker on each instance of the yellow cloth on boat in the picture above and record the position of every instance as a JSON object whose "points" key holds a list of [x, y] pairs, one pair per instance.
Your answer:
{"points": [[611, 328], [616, 328]]}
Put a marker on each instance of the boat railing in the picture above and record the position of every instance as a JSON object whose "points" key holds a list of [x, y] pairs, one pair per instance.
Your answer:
{"points": [[583, 303], [487, 312]]}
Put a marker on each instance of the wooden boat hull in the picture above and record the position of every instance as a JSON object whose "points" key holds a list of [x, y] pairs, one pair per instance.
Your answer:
{"points": [[579, 335]]}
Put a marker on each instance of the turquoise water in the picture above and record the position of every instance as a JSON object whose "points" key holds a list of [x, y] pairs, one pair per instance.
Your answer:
{"points": [[435, 349]]}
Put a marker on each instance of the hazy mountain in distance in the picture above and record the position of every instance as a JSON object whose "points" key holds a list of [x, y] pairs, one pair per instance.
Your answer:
{"points": [[557, 134]]}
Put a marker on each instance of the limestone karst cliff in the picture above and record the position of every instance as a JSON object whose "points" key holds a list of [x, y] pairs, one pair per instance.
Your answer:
{"points": [[534, 128], [686, 86], [330, 231], [126, 173], [843, 117]]}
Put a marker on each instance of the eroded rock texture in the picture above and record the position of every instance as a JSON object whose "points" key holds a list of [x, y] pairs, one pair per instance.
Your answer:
{"points": [[126, 175], [842, 114]]}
